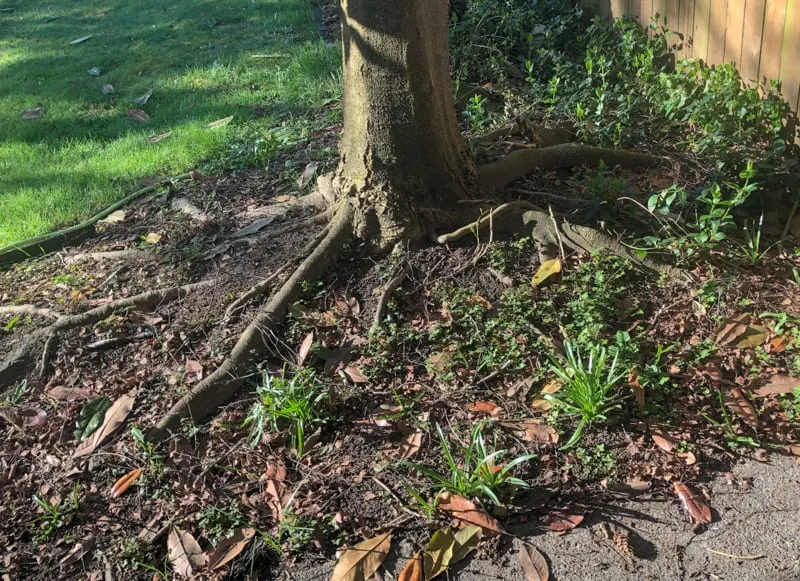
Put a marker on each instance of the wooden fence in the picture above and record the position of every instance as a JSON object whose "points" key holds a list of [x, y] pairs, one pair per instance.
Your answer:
{"points": [[761, 36]]}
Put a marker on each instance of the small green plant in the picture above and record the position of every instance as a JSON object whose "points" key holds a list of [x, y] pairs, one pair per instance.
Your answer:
{"points": [[476, 472], [294, 402], [16, 395], [55, 514], [218, 522], [735, 439], [751, 249], [155, 461], [475, 113], [588, 390], [596, 462], [11, 324]]}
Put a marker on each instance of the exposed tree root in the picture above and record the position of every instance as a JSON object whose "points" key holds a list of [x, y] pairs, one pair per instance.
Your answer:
{"points": [[221, 385], [18, 363], [388, 289], [497, 175], [46, 243], [263, 286], [30, 310]]}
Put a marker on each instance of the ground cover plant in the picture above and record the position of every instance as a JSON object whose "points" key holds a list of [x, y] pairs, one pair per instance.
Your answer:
{"points": [[430, 401]]}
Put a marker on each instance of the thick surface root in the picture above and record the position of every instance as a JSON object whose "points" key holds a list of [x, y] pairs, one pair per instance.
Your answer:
{"points": [[495, 176], [19, 362], [223, 384]]}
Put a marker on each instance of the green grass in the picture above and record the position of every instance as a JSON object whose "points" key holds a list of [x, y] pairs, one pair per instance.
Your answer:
{"points": [[85, 152]]}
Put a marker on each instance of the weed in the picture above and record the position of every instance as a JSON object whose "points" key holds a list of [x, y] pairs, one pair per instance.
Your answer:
{"points": [[729, 431], [791, 405], [219, 522], [294, 531], [587, 390], [55, 514], [295, 402], [9, 327], [751, 249], [594, 463], [16, 395], [476, 471], [154, 460], [475, 113]]}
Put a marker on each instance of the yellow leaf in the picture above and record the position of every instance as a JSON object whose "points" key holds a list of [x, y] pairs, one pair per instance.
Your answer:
{"points": [[360, 562], [448, 547], [153, 238], [547, 269], [114, 217], [220, 122]]}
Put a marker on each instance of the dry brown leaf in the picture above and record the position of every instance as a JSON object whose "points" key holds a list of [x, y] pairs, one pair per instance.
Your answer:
{"points": [[793, 449], [468, 514], [778, 345], [305, 347], [23, 417], [410, 445], [539, 433], [184, 553], [193, 367], [78, 552], [360, 562], [663, 441], [562, 520], [115, 416], [485, 407], [533, 564], [448, 547], [283, 198], [230, 548], [138, 115], [355, 374], [736, 401], [688, 457], [729, 330], [413, 569], [62, 393], [153, 238], [221, 122], [638, 388], [778, 384], [114, 217], [697, 508], [124, 483]]}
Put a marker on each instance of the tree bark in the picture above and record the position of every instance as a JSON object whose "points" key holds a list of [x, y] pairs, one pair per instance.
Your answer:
{"points": [[403, 163]]}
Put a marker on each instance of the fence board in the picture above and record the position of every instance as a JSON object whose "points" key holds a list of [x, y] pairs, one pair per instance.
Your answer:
{"points": [[716, 32], [702, 14], [734, 29], [687, 27], [751, 39], [771, 46], [790, 69]]}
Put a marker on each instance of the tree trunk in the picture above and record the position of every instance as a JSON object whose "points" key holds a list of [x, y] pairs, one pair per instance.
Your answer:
{"points": [[403, 163]]}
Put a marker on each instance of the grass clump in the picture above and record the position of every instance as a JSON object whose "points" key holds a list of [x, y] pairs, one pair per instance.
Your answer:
{"points": [[588, 390], [473, 470], [294, 403]]}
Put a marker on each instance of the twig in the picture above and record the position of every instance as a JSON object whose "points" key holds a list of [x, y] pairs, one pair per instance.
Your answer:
{"points": [[397, 499], [558, 233], [789, 220], [737, 557], [115, 342]]}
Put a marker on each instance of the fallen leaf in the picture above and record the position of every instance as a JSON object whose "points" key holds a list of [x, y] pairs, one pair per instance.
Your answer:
{"points": [[754, 336], [78, 552], [124, 483], [34, 113], [533, 564], [141, 100], [562, 520], [107, 89], [138, 115], [220, 122], [360, 562], [736, 332], [283, 198], [539, 433], [697, 508], [638, 388], [90, 417], [308, 174], [81, 39], [230, 548], [547, 269], [664, 442], [778, 384], [305, 347], [729, 330], [484, 407], [184, 553], [23, 417], [355, 375], [153, 238], [413, 569], [736, 401], [114, 217], [793, 449], [253, 228], [448, 547], [159, 137], [62, 393], [193, 367], [410, 445], [688, 457], [95, 71], [778, 345], [114, 418], [468, 514]]}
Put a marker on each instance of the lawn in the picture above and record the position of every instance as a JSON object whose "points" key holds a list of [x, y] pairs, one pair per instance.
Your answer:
{"points": [[261, 61]]}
